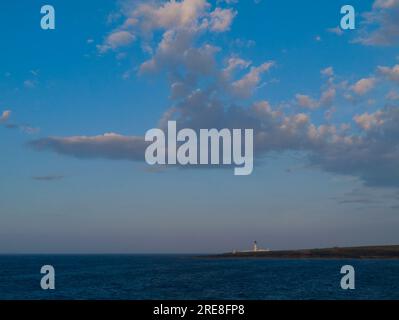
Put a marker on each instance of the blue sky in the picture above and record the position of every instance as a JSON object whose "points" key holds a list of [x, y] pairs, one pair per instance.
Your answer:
{"points": [[324, 110]]}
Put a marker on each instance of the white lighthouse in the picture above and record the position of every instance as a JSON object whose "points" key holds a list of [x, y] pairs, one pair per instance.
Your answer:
{"points": [[255, 246]]}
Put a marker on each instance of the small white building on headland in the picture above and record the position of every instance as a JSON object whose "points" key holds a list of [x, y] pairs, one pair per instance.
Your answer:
{"points": [[255, 248]]}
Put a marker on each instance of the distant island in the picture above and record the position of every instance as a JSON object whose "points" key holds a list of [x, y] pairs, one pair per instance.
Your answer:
{"points": [[364, 252]]}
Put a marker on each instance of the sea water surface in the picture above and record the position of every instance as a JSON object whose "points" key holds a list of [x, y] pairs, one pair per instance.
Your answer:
{"points": [[187, 277]]}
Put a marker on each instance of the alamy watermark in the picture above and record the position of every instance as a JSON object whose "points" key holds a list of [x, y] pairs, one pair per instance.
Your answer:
{"points": [[347, 22], [211, 147], [348, 280], [47, 22], [48, 280]]}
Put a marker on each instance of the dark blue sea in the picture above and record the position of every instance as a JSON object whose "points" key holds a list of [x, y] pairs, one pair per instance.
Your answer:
{"points": [[187, 277]]}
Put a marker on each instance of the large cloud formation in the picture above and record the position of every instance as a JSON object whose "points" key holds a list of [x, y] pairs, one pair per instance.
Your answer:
{"points": [[207, 92], [381, 25]]}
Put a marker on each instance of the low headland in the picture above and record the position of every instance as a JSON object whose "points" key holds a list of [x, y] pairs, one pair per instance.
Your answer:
{"points": [[364, 252]]}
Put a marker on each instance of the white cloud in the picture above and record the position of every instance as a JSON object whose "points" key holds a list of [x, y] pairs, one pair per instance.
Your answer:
{"points": [[367, 121], [245, 86], [328, 96], [306, 101], [326, 99], [144, 18], [381, 25], [328, 72], [390, 73], [363, 86], [233, 64], [116, 40], [221, 19], [171, 15], [5, 116], [175, 51]]}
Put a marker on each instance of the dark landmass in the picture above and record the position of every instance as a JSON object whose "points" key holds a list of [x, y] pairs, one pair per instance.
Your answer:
{"points": [[366, 252]]}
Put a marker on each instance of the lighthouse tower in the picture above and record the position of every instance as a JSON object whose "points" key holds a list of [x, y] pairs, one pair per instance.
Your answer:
{"points": [[255, 246]]}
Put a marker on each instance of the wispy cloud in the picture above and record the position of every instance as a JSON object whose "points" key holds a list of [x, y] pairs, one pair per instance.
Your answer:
{"points": [[110, 146], [48, 178], [336, 30], [4, 120]]}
